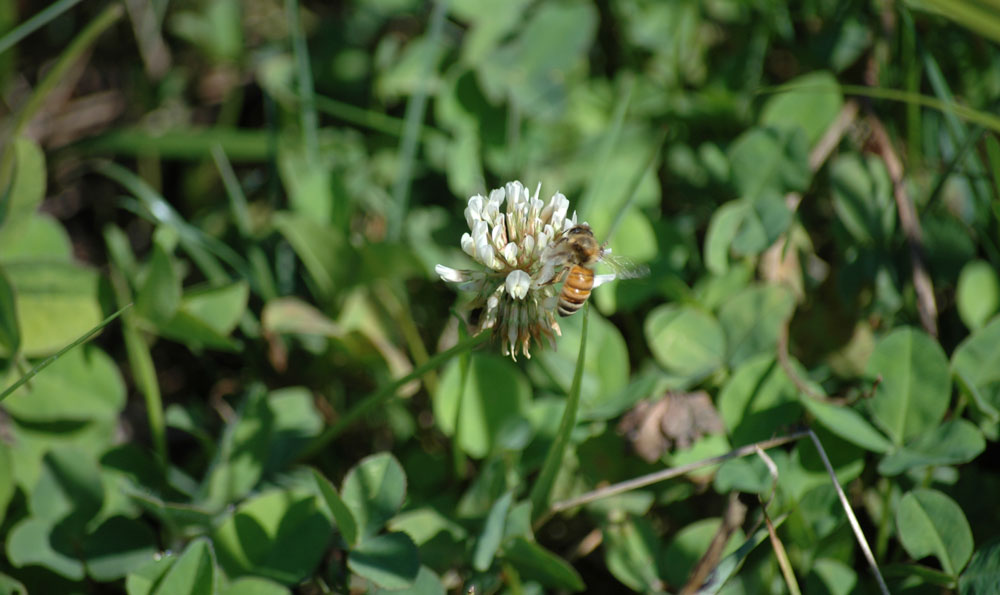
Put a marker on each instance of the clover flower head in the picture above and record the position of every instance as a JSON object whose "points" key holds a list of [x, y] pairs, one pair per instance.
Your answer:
{"points": [[509, 231]]}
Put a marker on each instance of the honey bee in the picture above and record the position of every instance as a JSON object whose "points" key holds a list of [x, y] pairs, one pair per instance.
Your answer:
{"points": [[578, 252]]}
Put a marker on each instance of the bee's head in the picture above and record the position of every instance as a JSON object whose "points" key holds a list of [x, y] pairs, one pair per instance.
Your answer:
{"points": [[581, 241]]}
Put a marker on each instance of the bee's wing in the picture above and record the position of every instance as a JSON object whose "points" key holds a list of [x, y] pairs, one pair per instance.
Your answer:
{"points": [[602, 279], [623, 267]]}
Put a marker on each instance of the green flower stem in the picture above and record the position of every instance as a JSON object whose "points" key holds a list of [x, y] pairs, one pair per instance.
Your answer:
{"points": [[388, 391], [52, 358], [457, 456], [541, 493]]}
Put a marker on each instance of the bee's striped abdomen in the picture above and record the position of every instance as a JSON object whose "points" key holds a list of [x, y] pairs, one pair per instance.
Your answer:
{"points": [[576, 290]]}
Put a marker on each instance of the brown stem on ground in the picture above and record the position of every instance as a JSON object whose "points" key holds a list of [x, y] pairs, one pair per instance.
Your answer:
{"points": [[926, 305], [735, 514]]}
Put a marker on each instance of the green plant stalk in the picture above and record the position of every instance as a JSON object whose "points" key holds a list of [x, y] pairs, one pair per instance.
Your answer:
{"points": [[413, 118], [240, 144], [401, 315], [202, 247], [457, 456], [372, 120], [80, 44], [387, 392], [541, 493], [782, 557], [608, 145], [52, 358], [34, 23], [885, 520], [141, 363], [634, 184], [983, 20], [912, 81], [257, 260], [959, 133], [303, 73]]}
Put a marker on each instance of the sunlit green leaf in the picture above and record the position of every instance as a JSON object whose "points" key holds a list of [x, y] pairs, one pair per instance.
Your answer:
{"points": [[26, 190], [916, 386], [685, 340], [954, 442], [493, 530], [751, 320], [932, 524], [373, 490], [192, 572], [160, 294], [280, 535], [83, 384], [978, 293], [341, 513], [758, 399], [848, 424], [494, 392], [812, 105], [56, 303]]}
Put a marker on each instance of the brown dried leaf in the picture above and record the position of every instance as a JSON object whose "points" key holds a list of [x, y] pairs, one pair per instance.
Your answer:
{"points": [[677, 418]]}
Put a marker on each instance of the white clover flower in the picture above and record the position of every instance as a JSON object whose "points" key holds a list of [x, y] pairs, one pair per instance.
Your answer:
{"points": [[515, 289]]}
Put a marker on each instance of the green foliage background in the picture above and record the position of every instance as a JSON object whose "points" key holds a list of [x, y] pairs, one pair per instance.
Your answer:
{"points": [[287, 403]]}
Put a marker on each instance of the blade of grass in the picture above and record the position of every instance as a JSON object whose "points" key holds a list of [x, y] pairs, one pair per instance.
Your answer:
{"points": [[980, 19], [204, 249], [413, 119], [634, 184], [853, 520], [241, 217], [729, 565], [959, 132], [303, 74], [137, 351], [541, 493], [385, 393], [44, 17], [239, 144], [52, 358], [80, 44], [782, 556], [369, 119], [912, 75], [608, 145]]}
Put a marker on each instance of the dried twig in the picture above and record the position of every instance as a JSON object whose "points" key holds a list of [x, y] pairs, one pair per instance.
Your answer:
{"points": [[735, 514], [651, 478], [926, 305], [853, 520]]}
